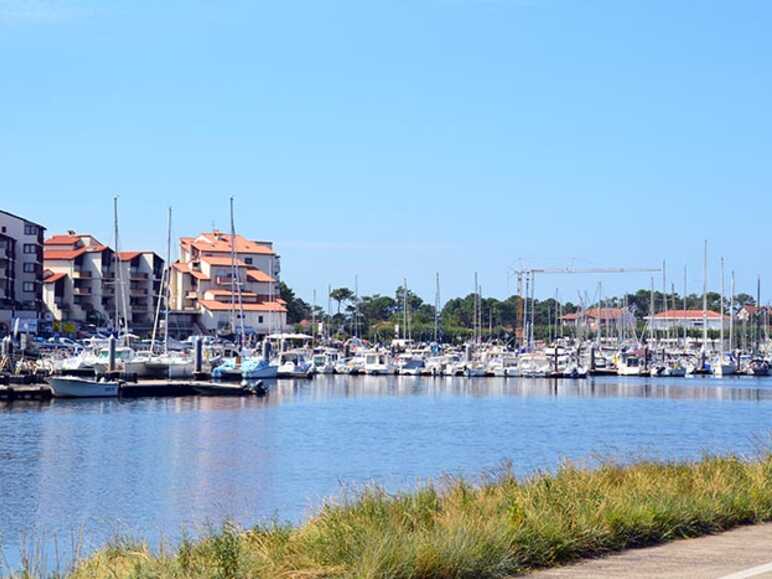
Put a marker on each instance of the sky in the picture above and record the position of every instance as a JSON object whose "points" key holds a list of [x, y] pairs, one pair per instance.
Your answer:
{"points": [[391, 140]]}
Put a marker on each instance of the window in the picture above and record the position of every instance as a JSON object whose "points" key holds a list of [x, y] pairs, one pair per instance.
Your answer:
{"points": [[30, 268], [30, 248], [29, 286], [30, 229], [259, 319], [248, 260]]}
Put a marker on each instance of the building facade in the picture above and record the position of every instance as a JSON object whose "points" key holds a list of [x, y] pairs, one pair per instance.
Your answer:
{"points": [[594, 318], [86, 282], [21, 270], [203, 281], [688, 319]]}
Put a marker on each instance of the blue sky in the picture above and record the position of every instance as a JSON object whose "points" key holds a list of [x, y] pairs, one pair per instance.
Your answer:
{"points": [[396, 139]]}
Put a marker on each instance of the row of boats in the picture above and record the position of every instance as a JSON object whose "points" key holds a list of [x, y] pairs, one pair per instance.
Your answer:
{"points": [[297, 357]]}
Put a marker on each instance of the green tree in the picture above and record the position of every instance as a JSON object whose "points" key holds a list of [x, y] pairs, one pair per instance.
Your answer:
{"points": [[340, 295]]}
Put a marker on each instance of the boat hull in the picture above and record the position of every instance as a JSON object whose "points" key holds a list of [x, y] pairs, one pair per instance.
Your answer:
{"points": [[68, 387]]}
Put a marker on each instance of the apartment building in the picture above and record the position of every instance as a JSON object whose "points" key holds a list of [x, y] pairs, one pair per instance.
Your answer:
{"points": [[21, 271], [86, 282], [202, 281]]}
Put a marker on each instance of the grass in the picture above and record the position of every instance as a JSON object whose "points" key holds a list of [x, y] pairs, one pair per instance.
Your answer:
{"points": [[497, 528]]}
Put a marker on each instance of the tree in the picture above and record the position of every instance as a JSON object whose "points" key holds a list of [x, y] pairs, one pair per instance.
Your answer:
{"points": [[297, 309], [340, 295]]}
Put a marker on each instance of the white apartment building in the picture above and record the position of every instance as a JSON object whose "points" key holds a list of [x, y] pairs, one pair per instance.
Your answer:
{"points": [[689, 319], [21, 270], [80, 282], [202, 282]]}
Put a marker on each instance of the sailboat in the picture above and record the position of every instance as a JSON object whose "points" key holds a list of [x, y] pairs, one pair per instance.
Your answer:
{"points": [[167, 364], [725, 365]]}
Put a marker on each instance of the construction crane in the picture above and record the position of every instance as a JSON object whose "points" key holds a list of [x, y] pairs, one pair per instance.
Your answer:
{"points": [[526, 281]]}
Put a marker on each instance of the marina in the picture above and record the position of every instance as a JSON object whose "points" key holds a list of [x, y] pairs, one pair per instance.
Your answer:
{"points": [[162, 465]]}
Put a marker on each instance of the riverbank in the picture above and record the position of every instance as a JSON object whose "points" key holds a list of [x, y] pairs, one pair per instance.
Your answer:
{"points": [[501, 527]]}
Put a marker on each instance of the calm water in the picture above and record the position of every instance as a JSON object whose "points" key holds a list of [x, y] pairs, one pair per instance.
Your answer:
{"points": [[155, 467]]}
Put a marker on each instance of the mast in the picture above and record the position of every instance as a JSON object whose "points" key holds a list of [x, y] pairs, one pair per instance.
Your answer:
{"points": [[313, 317], [651, 311], [686, 336], [168, 292], [436, 307], [474, 312], [731, 317], [705, 299], [664, 298], [757, 344], [116, 265], [236, 281], [721, 325]]}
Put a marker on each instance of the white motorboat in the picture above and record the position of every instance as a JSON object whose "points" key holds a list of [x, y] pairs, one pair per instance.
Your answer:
{"points": [[74, 387], [629, 365], [293, 365], [378, 364], [324, 362]]}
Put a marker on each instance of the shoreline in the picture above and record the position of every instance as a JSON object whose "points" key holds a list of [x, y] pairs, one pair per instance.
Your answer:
{"points": [[497, 528]]}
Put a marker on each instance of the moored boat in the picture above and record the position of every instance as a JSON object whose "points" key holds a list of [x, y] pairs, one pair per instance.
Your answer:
{"points": [[76, 387]]}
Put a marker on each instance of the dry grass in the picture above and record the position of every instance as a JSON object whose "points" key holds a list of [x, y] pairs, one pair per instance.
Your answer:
{"points": [[498, 528]]}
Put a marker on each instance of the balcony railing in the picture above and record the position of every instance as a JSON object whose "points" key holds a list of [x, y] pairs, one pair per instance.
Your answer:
{"points": [[81, 274], [136, 274], [81, 291]]}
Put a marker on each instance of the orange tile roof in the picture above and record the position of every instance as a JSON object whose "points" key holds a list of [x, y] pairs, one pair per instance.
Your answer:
{"points": [[185, 268], [263, 307], [257, 275], [596, 313], [224, 292], [54, 277], [63, 254], [128, 255], [217, 242], [62, 240], [218, 260]]}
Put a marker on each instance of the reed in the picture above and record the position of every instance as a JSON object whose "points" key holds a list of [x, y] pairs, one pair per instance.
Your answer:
{"points": [[496, 528]]}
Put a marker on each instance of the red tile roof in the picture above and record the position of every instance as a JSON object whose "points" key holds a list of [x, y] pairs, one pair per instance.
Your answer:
{"points": [[54, 277], [185, 268], [263, 307], [257, 275], [128, 255], [62, 254], [222, 260], [217, 242], [62, 240]]}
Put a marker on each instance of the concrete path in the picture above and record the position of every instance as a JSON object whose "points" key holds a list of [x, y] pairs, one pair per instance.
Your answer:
{"points": [[743, 552]]}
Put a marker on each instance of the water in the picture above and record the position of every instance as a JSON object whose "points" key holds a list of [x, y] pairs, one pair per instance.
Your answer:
{"points": [[87, 470]]}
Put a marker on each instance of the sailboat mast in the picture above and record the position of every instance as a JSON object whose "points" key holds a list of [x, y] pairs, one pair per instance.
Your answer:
{"points": [[436, 307], [757, 345], [116, 265], [705, 299], [168, 289], [234, 279], [731, 316], [721, 326]]}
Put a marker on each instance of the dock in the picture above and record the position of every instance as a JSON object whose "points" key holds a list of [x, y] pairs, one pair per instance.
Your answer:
{"points": [[137, 389]]}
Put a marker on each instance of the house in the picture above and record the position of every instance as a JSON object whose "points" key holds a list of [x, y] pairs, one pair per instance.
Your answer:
{"points": [[593, 317], [21, 271], [689, 319], [81, 285], [229, 281], [749, 313]]}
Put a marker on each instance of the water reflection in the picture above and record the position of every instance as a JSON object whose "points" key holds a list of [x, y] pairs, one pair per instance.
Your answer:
{"points": [[155, 466]]}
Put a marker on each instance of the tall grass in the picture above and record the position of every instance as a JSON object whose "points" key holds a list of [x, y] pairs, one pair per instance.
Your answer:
{"points": [[496, 528]]}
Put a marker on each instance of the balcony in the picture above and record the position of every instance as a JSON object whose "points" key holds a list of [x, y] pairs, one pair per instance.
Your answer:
{"points": [[136, 274], [81, 274], [138, 291], [81, 291]]}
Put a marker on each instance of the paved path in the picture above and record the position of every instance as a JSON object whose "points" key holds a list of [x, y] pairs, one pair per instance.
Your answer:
{"points": [[743, 552]]}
